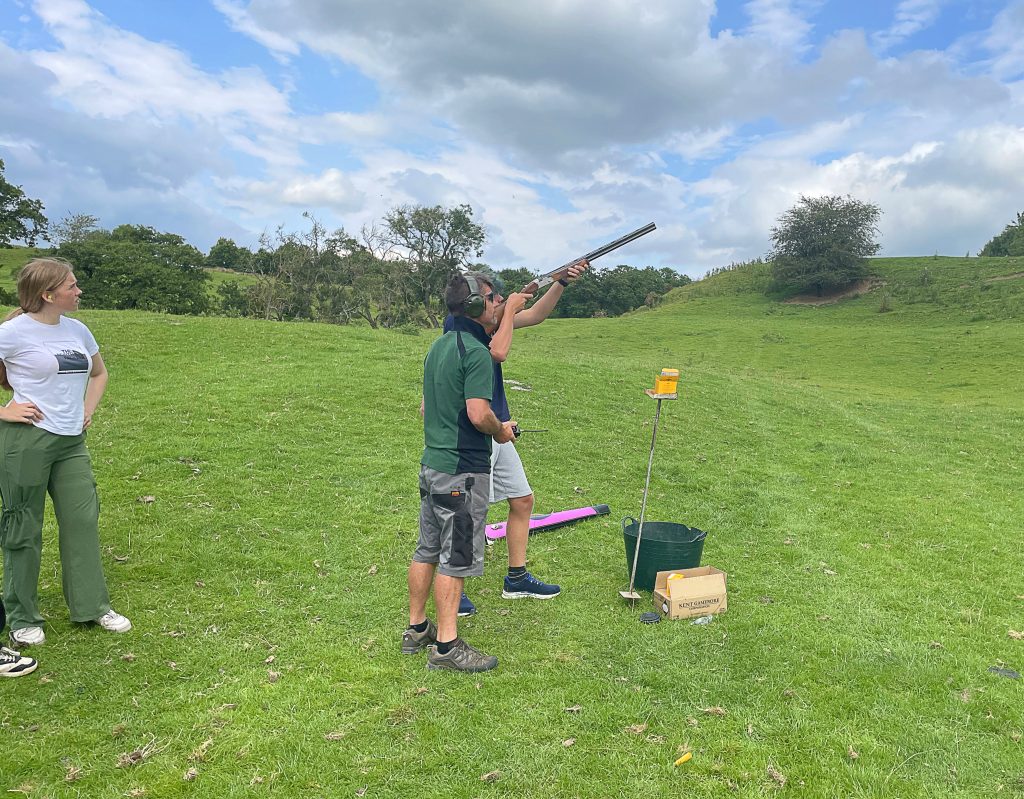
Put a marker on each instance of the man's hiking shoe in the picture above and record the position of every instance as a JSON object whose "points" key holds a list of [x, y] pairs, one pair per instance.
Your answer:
{"points": [[466, 608], [14, 664], [114, 622], [529, 587], [461, 657], [28, 636], [413, 642]]}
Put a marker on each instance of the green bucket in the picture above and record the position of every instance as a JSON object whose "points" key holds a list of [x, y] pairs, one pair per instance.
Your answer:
{"points": [[663, 547]]}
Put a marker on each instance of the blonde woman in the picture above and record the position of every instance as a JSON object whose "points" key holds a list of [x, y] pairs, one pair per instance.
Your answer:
{"points": [[53, 365]]}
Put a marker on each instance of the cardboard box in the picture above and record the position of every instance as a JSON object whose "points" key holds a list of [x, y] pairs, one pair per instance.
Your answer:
{"points": [[701, 592]]}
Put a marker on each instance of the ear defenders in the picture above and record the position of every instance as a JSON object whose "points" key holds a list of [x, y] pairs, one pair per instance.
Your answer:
{"points": [[474, 303]]}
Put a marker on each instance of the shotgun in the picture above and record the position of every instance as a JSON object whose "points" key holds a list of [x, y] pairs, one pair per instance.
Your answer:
{"points": [[536, 285]]}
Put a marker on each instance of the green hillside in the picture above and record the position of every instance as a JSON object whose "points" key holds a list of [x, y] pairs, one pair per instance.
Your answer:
{"points": [[858, 473], [12, 259], [218, 276]]}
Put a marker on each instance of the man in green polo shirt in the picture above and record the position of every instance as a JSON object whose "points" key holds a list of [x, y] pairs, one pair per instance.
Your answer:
{"points": [[458, 426]]}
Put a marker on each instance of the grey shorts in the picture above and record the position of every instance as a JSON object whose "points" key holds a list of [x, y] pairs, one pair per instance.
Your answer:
{"points": [[508, 478], [453, 512]]}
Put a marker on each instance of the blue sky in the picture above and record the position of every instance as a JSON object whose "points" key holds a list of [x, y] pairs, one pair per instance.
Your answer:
{"points": [[563, 125]]}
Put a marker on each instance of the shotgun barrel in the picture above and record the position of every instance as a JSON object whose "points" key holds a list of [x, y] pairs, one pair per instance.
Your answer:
{"points": [[604, 249], [607, 248]]}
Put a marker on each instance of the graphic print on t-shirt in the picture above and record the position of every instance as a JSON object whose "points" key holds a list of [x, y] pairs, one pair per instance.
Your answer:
{"points": [[71, 362]]}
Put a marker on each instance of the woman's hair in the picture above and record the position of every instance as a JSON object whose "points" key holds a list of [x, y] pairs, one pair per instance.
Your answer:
{"points": [[37, 276]]}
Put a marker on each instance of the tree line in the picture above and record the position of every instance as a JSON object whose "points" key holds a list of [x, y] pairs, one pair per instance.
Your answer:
{"points": [[391, 274]]}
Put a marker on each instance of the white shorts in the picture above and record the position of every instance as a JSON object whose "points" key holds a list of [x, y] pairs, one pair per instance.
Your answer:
{"points": [[508, 478]]}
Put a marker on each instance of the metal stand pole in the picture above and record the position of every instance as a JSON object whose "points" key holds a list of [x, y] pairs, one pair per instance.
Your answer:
{"points": [[631, 594]]}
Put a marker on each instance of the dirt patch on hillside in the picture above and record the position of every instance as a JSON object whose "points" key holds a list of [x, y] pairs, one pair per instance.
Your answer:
{"points": [[1014, 276], [854, 290], [996, 279]]}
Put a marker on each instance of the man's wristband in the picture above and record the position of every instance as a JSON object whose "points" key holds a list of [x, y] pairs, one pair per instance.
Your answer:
{"points": [[563, 281]]}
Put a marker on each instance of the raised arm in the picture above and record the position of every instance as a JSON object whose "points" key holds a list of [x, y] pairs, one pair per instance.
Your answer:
{"points": [[541, 309], [501, 338]]}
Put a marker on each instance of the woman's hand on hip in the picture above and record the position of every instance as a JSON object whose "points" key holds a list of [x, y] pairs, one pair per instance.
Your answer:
{"points": [[24, 412]]}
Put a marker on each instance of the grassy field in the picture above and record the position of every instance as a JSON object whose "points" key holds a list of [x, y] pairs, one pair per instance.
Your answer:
{"points": [[219, 276], [858, 472]]}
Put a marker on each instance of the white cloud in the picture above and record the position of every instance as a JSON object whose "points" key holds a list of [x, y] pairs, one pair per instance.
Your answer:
{"points": [[364, 128], [107, 72], [781, 23], [1005, 40], [123, 152], [240, 21], [538, 78], [811, 142], [912, 16], [696, 145], [332, 188]]}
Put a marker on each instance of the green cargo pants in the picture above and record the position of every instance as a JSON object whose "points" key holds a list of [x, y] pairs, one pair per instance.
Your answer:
{"points": [[33, 462]]}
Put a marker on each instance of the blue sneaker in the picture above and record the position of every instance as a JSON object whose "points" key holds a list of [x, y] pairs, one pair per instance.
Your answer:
{"points": [[466, 608], [529, 587]]}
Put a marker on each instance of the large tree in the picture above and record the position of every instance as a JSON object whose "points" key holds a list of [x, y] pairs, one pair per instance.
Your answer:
{"points": [[73, 228], [137, 267], [379, 288], [821, 243], [372, 293], [21, 218], [300, 274], [434, 241], [225, 254], [1010, 241]]}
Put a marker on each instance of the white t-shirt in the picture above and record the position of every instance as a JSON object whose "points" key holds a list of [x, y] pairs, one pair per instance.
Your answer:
{"points": [[49, 365]]}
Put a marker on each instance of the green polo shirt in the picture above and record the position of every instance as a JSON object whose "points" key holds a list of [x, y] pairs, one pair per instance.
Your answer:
{"points": [[457, 368]]}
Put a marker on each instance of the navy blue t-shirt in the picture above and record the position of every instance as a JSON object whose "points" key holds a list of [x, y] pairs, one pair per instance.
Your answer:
{"points": [[499, 402]]}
